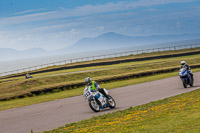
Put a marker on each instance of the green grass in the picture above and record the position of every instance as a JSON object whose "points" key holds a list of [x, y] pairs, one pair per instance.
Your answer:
{"points": [[79, 91], [176, 114], [20, 87], [41, 81], [106, 60], [117, 65], [176, 59], [44, 80]]}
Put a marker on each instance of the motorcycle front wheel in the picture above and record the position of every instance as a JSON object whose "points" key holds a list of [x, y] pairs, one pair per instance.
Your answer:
{"points": [[94, 106], [184, 83]]}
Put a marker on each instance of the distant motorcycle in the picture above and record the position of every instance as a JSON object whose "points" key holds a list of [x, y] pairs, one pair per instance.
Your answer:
{"points": [[185, 77], [98, 101]]}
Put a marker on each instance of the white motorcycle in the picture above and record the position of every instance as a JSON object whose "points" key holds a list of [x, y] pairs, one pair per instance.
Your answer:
{"points": [[98, 101]]}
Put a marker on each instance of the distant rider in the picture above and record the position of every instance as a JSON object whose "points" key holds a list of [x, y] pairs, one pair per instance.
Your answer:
{"points": [[28, 75], [183, 64], [95, 86]]}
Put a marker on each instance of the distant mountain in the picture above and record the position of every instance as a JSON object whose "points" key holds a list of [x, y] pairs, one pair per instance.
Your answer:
{"points": [[105, 42], [8, 53], [113, 40]]}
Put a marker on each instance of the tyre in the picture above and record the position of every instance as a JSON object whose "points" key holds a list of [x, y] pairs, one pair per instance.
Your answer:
{"points": [[184, 83], [191, 85], [111, 102], [94, 106]]}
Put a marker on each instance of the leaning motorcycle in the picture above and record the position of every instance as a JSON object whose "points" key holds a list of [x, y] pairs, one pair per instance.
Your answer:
{"points": [[185, 77], [98, 101]]}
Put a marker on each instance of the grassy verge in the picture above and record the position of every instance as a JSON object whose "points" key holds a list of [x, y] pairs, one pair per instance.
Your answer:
{"points": [[25, 87], [143, 55], [189, 59], [78, 91], [176, 114], [175, 59]]}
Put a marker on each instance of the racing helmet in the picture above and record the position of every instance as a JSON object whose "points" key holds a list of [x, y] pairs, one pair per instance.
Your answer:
{"points": [[88, 81], [183, 63]]}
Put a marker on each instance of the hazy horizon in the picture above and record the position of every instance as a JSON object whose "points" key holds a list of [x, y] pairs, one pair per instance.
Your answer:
{"points": [[38, 48], [13, 65]]}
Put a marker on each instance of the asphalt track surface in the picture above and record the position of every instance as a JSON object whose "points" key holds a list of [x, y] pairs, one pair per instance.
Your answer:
{"points": [[53, 114]]}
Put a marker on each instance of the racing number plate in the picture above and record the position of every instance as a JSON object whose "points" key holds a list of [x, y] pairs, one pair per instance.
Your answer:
{"points": [[87, 94]]}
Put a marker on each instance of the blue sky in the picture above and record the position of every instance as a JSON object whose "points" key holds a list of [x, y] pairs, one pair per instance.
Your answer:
{"points": [[55, 24]]}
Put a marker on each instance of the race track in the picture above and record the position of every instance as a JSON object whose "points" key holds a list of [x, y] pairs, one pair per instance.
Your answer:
{"points": [[50, 115]]}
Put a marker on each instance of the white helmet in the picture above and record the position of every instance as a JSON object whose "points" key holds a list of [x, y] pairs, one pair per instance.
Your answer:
{"points": [[88, 81], [183, 63]]}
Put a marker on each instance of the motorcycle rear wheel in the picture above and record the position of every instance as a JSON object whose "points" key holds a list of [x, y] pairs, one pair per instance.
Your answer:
{"points": [[191, 85], [111, 102]]}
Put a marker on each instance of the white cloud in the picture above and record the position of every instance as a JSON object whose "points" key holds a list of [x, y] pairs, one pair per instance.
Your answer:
{"points": [[85, 10], [28, 11], [88, 21], [54, 27], [22, 40], [138, 28], [101, 28], [75, 32], [27, 18]]}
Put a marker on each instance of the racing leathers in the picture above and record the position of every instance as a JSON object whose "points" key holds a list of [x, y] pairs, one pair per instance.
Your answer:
{"points": [[95, 86]]}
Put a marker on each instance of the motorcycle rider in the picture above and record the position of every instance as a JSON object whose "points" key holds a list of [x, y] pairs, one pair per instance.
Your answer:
{"points": [[183, 64], [95, 86], [28, 75]]}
